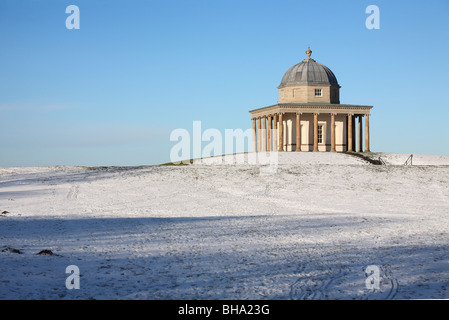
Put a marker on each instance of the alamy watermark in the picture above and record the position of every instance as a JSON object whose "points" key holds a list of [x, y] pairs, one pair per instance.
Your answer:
{"points": [[219, 150], [73, 20], [372, 22], [73, 280], [372, 281]]}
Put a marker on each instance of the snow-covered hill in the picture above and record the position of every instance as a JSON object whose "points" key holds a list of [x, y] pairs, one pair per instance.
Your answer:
{"points": [[307, 230]]}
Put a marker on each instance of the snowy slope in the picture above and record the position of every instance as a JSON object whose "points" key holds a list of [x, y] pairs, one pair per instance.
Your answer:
{"points": [[307, 231], [418, 159]]}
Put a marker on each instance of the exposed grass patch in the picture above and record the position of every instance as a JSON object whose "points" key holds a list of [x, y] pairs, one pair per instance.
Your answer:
{"points": [[369, 157], [182, 163]]}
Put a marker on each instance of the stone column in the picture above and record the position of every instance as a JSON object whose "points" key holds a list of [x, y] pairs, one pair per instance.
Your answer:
{"points": [[350, 132], [281, 132], [259, 134], [367, 133], [264, 134], [332, 132], [360, 134], [315, 132], [275, 133], [353, 134], [270, 128], [298, 132], [254, 135]]}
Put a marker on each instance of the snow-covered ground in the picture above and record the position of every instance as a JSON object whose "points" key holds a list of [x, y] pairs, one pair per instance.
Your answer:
{"points": [[308, 230]]}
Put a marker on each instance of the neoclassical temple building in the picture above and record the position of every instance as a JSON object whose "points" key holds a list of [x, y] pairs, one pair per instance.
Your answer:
{"points": [[309, 116]]}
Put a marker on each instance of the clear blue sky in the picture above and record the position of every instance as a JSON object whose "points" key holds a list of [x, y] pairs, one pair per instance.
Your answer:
{"points": [[111, 92]]}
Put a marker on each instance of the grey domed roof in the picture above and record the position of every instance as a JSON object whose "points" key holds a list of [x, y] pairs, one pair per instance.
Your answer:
{"points": [[308, 72]]}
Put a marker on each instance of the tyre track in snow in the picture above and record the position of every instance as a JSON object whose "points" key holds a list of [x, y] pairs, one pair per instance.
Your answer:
{"points": [[73, 192], [322, 276], [323, 284], [315, 281]]}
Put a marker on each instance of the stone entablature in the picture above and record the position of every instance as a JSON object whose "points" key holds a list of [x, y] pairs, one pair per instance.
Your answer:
{"points": [[311, 108]]}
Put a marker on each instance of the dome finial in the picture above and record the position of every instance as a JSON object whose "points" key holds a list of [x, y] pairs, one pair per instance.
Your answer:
{"points": [[309, 52]]}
